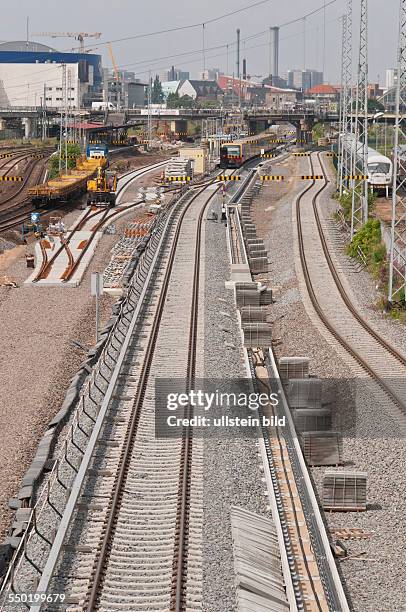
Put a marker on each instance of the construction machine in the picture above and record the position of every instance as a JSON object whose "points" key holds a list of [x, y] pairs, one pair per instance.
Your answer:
{"points": [[102, 188]]}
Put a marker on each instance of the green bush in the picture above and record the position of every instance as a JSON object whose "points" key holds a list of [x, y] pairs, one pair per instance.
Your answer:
{"points": [[73, 153], [369, 240]]}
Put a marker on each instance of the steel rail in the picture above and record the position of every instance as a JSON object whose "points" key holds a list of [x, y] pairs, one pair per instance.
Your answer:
{"points": [[319, 310], [98, 573], [89, 214], [384, 343], [68, 513]]}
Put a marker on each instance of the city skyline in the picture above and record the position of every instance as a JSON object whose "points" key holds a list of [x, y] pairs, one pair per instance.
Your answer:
{"points": [[185, 48]]}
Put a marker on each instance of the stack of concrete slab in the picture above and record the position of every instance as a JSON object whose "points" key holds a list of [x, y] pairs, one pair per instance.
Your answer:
{"points": [[247, 294], [344, 491], [305, 392], [311, 419], [322, 447], [257, 563], [253, 314], [178, 167], [257, 335], [293, 367]]}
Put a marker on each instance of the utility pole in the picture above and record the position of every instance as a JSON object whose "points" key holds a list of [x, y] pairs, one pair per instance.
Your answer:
{"points": [[238, 67], [397, 260], [359, 187], [62, 116]]}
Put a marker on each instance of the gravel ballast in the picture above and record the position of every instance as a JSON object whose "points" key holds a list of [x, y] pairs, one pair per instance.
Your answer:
{"points": [[375, 580], [38, 358], [231, 464]]}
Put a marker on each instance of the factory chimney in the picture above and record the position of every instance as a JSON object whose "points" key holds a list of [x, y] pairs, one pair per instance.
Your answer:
{"points": [[274, 52], [238, 53]]}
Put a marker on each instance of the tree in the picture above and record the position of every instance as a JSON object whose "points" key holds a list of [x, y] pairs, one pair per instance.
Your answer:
{"points": [[157, 96], [174, 101], [374, 106]]}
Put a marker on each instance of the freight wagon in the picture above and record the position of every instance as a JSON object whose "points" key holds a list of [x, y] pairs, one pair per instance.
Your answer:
{"points": [[67, 185]]}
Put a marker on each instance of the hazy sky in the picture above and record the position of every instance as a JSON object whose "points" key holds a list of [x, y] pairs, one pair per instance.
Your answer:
{"points": [[122, 18]]}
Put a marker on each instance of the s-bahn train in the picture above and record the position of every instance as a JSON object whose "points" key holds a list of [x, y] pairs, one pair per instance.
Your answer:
{"points": [[380, 167], [234, 154]]}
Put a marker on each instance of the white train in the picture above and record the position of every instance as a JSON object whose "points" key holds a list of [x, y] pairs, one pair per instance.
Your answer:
{"points": [[380, 167]]}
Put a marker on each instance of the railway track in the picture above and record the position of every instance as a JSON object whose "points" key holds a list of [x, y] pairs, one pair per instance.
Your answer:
{"points": [[15, 205], [311, 579], [100, 216], [375, 357], [145, 535]]}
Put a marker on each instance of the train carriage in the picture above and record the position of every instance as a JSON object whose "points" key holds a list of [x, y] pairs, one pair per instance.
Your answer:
{"points": [[234, 154]]}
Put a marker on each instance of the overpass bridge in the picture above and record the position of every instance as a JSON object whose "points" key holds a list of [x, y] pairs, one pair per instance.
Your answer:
{"points": [[256, 120]]}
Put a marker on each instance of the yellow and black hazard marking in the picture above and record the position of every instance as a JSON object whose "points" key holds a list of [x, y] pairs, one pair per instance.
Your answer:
{"points": [[311, 177], [330, 154], [301, 140], [183, 179], [272, 177], [225, 177], [306, 154], [90, 142], [356, 177], [38, 156], [69, 157], [269, 155], [277, 140], [12, 179], [7, 155]]}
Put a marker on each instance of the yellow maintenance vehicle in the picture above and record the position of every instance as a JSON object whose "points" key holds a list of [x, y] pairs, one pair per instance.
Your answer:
{"points": [[101, 189]]}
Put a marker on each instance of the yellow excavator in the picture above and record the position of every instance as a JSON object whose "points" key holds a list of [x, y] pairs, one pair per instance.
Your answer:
{"points": [[102, 188]]}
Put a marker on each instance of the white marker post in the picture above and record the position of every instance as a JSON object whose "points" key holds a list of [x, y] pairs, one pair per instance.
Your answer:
{"points": [[96, 289]]}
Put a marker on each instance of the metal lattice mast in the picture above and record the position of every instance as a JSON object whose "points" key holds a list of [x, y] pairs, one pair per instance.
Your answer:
{"points": [[359, 186], [349, 125], [397, 261], [342, 122]]}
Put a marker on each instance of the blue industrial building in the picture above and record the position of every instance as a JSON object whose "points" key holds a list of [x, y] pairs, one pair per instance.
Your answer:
{"points": [[89, 64]]}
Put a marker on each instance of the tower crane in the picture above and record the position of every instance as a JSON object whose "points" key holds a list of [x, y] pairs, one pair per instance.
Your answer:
{"points": [[80, 36]]}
